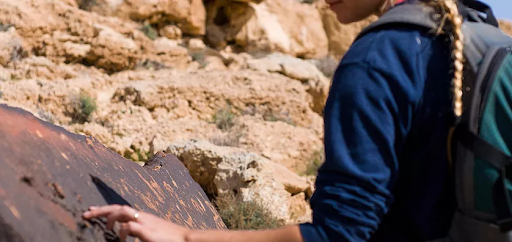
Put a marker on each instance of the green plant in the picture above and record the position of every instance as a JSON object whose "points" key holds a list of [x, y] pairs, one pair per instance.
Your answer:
{"points": [[200, 58], [149, 31], [271, 116], [244, 215], [5, 27], [224, 119], [83, 107], [1, 94], [317, 159]]}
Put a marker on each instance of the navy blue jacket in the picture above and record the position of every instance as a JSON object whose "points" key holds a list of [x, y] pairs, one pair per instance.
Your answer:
{"points": [[387, 119]]}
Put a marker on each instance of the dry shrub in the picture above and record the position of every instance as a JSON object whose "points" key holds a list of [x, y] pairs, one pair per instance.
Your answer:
{"points": [[244, 215]]}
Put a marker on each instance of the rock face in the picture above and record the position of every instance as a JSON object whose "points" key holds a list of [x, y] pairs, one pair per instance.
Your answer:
{"points": [[50, 176], [69, 35], [340, 36], [316, 84], [285, 26], [189, 15], [220, 170], [506, 26]]}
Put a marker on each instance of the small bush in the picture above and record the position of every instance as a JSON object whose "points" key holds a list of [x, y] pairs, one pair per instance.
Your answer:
{"points": [[241, 215], [5, 27], [224, 118], [232, 139], [200, 58], [317, 159], [274, 117], [1, 94], [83, 106], [149, 31]]}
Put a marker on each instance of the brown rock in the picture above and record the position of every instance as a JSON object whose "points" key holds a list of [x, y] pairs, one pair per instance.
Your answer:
{"points": [[171, 32], [70, 35], [61, 174], [190, 15], [317, 85], [222, 169], [274, 25], [340, 36], [246, 91]]}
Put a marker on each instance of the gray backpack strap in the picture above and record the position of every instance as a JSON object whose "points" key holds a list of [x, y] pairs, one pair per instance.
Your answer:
{"points": [[417, 15]]}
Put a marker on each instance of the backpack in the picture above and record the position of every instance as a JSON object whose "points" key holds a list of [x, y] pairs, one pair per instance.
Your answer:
{"points": [[481, 143]]}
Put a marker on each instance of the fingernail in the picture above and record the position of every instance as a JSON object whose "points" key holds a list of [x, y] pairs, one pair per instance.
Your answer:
{"points": [[87, 214], [93, 207]]}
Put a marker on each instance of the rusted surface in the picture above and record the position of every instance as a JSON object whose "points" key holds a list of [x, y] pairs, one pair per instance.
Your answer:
{"points": [[49, 176]]}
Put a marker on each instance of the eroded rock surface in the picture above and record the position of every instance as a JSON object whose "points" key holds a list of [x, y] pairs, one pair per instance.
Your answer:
{"points": [[49, 176]]}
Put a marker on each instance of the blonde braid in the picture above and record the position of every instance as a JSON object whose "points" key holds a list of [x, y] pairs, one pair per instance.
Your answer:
{"points": [[450, 13]]}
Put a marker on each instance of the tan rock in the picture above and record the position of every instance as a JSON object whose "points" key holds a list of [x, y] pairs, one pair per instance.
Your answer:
{"points": [[274, 25], [196, 44], [264, 65], [222, 169], [63, 33], [506, 26], [201, 95], [214, 63], [11, 48], [340, 36], [171, 32], [190, 15], [317, 85], [288, 145], [164, 45]]}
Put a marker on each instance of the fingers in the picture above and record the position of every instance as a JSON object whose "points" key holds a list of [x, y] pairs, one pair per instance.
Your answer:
{"points": [[133, 229], [113, 213]]}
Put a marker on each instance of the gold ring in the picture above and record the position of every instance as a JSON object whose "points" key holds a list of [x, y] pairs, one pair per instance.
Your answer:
{"points": [[136, 216]]}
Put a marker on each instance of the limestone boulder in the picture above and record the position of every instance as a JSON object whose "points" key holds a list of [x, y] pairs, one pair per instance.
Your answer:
{"points": [[200, 95], [188, 15], [315, 82], [285, 26], [279, 141], [340, 36], [220, 170], [50, 176], [65, 34]]}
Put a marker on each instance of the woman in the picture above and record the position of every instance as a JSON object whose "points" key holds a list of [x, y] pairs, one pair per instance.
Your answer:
{"points": [[387, 118]]}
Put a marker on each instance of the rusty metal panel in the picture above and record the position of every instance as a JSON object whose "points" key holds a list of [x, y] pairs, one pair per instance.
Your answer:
{"points": [[49, 176]]}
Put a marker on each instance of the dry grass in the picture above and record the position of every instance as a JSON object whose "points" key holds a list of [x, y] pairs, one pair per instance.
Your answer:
{"points": [[149, 31], [240, 215], [83, 107], [224, 119]]}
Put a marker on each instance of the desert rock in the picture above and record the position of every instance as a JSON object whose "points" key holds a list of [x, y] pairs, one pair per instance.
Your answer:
{"points": [[221, 170]]}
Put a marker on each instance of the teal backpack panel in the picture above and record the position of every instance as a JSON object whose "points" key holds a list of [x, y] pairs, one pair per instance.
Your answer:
{"points": [[496, 129]]}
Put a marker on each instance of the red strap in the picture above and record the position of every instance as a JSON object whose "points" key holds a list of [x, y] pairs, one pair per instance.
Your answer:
{"points": [[399, 1]]}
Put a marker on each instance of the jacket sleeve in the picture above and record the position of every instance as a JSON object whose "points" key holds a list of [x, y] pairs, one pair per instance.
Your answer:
{"points": [[367, 117]]}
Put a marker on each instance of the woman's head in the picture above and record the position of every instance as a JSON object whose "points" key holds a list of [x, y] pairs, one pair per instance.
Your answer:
{"points": [[348, 11]]}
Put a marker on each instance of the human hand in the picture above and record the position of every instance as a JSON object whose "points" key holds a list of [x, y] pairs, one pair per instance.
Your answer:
{"points": [[145, 226]]}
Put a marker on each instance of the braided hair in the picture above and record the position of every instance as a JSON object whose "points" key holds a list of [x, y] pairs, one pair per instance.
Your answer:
{"points": [[451, 20]]}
